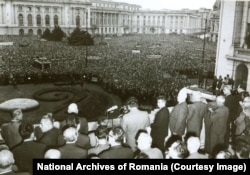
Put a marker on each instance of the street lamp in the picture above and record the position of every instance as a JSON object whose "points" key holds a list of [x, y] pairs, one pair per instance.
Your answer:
{"points": [[86, 44]]}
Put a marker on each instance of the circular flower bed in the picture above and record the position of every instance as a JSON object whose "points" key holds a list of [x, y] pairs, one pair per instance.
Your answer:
{"points": [[53, 94]]}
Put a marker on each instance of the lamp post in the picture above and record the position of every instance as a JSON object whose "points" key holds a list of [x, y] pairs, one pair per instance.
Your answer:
{"points": [[86, 44], [204, 42]]}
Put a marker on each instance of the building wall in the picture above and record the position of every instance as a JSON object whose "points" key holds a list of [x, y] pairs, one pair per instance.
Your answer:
{"points": [[103, 17], [231, 51]]}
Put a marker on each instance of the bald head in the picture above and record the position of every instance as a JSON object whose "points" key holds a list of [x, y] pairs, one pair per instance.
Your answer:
{"points": [[144, 141], [70, 134], [6, 159], [52, 154], [193, 144], [220, 100]]}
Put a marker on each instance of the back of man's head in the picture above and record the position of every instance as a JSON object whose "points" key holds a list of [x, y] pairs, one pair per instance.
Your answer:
{"points": [[25, 130], [52, 154], [6, 159], [118, 134], [70, 134], [193, 144], [144, 141], [132, 102], [101, 132]]}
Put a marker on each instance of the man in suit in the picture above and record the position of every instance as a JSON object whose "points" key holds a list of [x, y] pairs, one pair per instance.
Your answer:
{"points": [[178, 116], [196, 114], [47, 134], [159, 128], [134, 120], [70, 150], [28, 149], [117, 150], [9, 131], [216, 126]]}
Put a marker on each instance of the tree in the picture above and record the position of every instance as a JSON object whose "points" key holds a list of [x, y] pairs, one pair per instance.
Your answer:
{"points": [[46, 34], [57, 34], [80, 38], [152, 29]]}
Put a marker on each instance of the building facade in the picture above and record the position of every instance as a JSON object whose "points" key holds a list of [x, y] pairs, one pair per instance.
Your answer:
{"points": [[32, 17], [233, 57]]}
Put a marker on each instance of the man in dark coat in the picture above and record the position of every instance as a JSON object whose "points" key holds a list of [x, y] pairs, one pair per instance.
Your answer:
{"points": [[28, 150], [216, 126], [47, 134], [159, 128]]}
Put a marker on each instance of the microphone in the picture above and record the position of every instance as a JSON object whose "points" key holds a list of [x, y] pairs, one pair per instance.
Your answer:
{"points": [[112, 108]]}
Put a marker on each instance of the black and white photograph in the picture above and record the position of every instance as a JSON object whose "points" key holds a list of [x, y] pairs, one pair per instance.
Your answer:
{"points": [[123, 79]]}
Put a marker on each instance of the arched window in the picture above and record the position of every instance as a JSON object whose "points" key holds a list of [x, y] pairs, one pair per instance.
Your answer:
{"points": [[47, 20], [77, 20], [56, 20], [38, 20], [30, 32], [39, 32], [29, 20], [20, 19], [21, 32]]}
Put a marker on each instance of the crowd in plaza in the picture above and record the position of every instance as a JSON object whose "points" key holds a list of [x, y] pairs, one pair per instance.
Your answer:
{"points": [[118, 69]]}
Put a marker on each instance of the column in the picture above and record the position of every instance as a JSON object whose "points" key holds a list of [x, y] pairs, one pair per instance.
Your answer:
{"points": [[42, 17], [34, 16], [51, 22], [244, 24]]}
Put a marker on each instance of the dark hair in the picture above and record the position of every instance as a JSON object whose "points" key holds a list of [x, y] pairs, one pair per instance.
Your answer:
{"points": [[118, 133], [101, 132], [25, 130], [132, 102], [171, 140], [242, 148], [162, 97], [72, 120]]}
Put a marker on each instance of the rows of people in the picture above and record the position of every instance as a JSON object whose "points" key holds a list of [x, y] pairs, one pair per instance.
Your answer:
{"points": [[196, 130]]}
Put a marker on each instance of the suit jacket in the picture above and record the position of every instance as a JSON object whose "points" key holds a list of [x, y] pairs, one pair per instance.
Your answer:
{"points": [[51, 138], [117, 152], [159, 128], [132, 122], [216, 128], [10, 134], [71, 151], [26, 152], [196, 114], [178, 116]]}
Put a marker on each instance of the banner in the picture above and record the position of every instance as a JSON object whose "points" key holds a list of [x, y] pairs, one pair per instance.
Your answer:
{"points": [[6, 43], [136, 51]]}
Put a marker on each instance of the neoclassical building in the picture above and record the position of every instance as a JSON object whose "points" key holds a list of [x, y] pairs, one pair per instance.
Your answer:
{"points": [[32, 17], [233, 57]]}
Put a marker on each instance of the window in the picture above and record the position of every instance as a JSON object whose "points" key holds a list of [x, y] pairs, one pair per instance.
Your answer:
{"points": [[77, 20], [56, 20], [30, 20], [38, 9], [38, 20], [29, 9], [20, 19], [55, 10], [20, 8], [47, 20], [47, 9]]}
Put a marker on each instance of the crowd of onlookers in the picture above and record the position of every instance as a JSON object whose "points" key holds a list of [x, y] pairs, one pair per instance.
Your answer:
{"points": [[117, 68]]}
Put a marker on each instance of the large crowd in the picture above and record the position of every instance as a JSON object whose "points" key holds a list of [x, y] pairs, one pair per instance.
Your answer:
{"points": [[117, 68]]}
